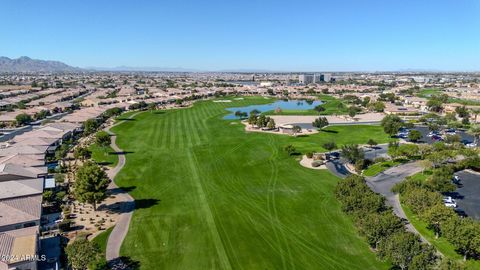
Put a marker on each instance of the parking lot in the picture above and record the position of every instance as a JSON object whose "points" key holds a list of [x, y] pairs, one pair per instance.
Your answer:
{"points": [[464, 136], [467, 194]]}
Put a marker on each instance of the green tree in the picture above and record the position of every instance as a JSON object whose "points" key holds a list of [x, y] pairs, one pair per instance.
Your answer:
{"points": [[329, 145], [252, 119], [435, 104], [152, 106], [391, 124], [90, 126], [425, 260], [48, 196], [464, 234], [271, 123], [320, 122], [378, 226], [377, 106], [23, 119], [82, 153], [296, 129], [290, 149], [475, 132], [436, 215], [59, 178], [414, 135], [449, 264], [261, 121], [400, 248], [102, 139], [91, 183], [319, 108], [254, 112], [462, 112], [440, 180], [353, 110], [371, 143], [81, 253], [352, 153], [61, 151]]}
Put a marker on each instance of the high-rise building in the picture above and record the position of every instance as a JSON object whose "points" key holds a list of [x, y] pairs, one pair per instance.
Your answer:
{"points": [[318, 78], [305, 79], [327, 77]]}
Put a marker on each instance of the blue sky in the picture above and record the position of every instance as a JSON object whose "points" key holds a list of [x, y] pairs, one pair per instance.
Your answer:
{"points": [[279, 35]]}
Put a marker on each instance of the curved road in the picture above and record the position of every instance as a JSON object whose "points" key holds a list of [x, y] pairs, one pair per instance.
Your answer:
{"points": [[383, 183], [127, 205]]}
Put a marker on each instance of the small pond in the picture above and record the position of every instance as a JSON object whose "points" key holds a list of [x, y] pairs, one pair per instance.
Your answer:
{"points": [[282, 104]]}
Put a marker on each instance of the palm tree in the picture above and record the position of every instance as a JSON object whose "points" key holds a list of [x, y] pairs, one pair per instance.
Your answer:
{"points": [[475, 132]]}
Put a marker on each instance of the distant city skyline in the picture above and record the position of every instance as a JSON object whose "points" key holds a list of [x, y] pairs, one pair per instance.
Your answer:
{"points": [[304, 36]]}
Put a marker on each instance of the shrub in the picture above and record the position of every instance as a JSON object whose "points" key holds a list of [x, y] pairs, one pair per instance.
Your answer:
{"points": [[309, 154], [291, 150]]}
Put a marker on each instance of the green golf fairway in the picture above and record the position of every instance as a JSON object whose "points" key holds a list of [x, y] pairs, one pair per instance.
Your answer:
{"points": [[211, 196]]}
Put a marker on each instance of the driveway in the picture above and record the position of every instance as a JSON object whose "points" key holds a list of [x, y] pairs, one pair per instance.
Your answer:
{"points": [[383, 182], [337, 166]]}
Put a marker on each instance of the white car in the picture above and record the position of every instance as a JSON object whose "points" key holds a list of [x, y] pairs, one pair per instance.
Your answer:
{"points": [[470, 145], [449, 202], [451, 205], [456, 179]]}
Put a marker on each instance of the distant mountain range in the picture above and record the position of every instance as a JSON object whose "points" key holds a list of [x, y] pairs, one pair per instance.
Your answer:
{"points": [[27, 64], [146, 69]]}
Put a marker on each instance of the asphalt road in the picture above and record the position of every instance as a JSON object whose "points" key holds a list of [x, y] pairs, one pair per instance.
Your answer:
{"points": [[383, 182], [467, 194], [337, 166]]}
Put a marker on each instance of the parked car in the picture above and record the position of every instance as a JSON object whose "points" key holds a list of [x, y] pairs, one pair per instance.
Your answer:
{"points": [[450, 131], [470, 145], [449, 202], [456, 179]]}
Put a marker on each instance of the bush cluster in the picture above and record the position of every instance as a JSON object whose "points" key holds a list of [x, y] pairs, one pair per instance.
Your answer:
{"points": [[384, 231]]}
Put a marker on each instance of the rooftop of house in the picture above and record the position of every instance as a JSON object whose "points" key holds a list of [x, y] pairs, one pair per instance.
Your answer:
{"points": [[20, 188], [24, 160], [20, 209], [18, 172], [17, 244]]}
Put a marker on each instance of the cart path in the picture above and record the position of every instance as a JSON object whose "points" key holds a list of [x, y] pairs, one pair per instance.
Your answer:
{"points": [[127, 205]]}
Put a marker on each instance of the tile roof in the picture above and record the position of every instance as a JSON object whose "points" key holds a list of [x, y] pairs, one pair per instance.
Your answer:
{"points": [[20, 210], [17, 244]]}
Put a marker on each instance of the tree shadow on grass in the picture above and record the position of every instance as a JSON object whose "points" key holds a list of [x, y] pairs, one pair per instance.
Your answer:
{"points": [[126, 119], [124, 262], [329, 131], [145, 203], [121, 153], [104, 163], [119, 190], [159, 112]]}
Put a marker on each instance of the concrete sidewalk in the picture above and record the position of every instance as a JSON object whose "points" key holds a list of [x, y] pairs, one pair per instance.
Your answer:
{"points": [[120, 230]]}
